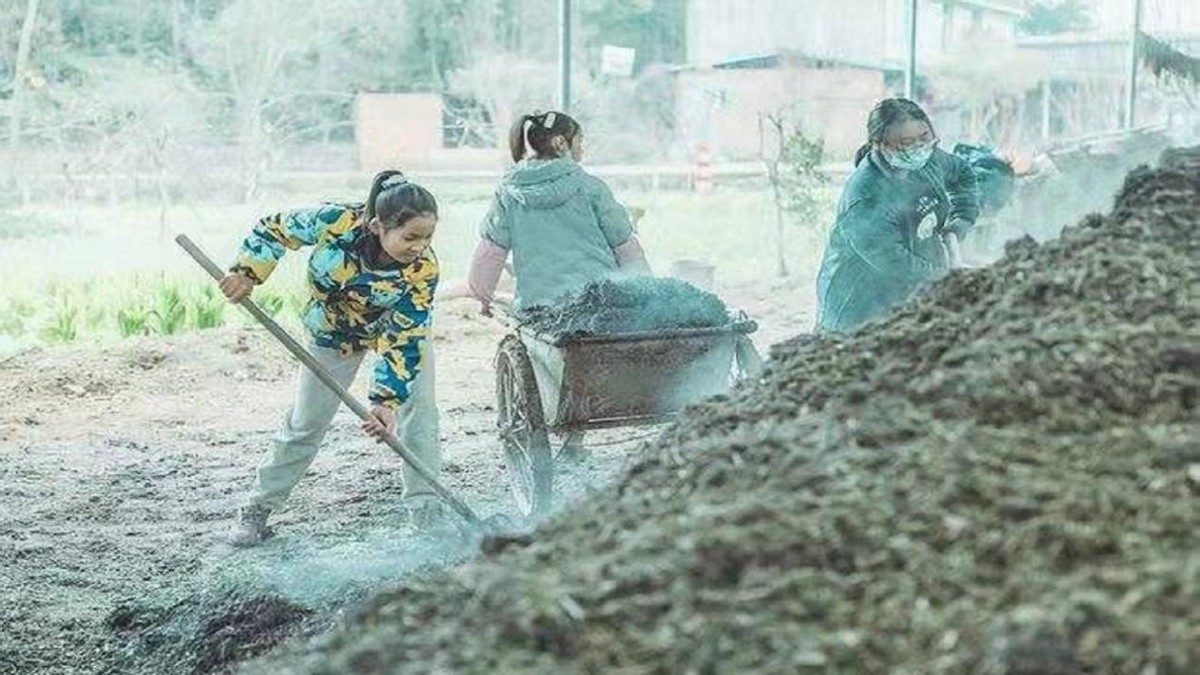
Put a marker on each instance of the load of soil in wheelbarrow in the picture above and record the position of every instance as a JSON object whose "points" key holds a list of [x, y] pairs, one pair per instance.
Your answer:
{"points": [[1001, 477], [627, 305]]}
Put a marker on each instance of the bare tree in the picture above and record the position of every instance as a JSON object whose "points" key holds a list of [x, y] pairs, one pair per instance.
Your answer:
{"points": [[176, 32], [771, 139], [18, 88], [798, 182], [504, 83], [249, 46]]}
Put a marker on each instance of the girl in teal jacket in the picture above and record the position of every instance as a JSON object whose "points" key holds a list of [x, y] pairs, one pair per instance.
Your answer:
{"points": [[562, 226], [904, 196]]}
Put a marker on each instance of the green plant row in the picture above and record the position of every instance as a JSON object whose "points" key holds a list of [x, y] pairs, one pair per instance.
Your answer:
{"points": [[65, 313]]}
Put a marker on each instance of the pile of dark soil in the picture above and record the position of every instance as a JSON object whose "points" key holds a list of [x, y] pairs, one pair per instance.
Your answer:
{"points": [[627, 305], [202, 632], [253, 600], [1001, 477]]}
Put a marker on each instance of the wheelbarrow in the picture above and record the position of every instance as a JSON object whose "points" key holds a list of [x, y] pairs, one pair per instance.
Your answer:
{"points": [[550, 384]]}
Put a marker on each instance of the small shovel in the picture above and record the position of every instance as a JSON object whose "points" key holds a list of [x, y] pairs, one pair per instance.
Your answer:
{"points": [[492, 525]]}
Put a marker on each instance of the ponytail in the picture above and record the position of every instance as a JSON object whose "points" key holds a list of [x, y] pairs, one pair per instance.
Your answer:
{"points": [[862, 153], [394, 201], [516, 138], [377, 186], [537, 131]]}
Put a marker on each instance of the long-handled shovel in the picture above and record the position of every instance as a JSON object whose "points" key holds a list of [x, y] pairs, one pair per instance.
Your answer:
{"points": [[491, 525], [953, 250]]}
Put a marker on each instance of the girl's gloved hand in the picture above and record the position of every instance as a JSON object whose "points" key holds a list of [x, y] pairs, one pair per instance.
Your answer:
{"points": [[381, 423], [933, 251], [958, 227], [236, 287]]}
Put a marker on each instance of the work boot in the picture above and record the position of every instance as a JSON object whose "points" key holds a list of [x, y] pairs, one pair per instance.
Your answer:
{"points": [[251, 527]]}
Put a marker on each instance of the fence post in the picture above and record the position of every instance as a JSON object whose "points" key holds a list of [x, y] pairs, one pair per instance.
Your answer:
{"points": [[702, 181]]}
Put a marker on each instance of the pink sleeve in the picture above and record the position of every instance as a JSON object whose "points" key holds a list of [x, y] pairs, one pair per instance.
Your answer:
{"points": [[486, 268], [631, 257]]}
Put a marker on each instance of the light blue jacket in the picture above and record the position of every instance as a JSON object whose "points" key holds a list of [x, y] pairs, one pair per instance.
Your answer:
{"points": [[561, 224]]}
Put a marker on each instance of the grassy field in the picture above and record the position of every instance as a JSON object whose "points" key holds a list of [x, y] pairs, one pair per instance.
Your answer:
{"points": [[97, 272]]}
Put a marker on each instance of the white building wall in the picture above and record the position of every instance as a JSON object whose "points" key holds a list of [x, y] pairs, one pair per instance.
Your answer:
{"points": [[1158, 16], [850, 29], [866, 31]]}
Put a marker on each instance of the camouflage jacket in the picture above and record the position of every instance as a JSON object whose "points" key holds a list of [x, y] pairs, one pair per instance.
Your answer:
{"points": [[355, 305]]}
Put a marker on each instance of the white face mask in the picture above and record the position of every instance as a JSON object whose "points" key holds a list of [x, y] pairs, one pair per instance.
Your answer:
{"points": [[909, 159]]}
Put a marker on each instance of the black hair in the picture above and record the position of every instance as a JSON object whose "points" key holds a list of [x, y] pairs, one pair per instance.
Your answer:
{"points": [[886, 114], [535, 132], [395, 201]]}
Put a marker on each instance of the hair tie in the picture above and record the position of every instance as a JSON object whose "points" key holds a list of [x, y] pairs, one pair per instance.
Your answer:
{"points": [[548, 120], [393, 181], [526, 126]]}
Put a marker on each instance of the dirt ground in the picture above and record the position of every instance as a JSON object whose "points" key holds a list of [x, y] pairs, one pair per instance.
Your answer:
{"points": [[121, 466]]}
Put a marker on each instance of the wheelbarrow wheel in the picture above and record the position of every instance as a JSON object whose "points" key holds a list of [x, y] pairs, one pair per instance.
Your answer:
{"points": [[527, 454]]}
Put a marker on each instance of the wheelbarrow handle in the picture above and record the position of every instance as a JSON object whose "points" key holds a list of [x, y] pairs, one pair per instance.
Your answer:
{"points": [[328, 379]]}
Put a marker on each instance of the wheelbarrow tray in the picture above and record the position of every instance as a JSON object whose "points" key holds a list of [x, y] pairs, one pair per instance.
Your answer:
{"points": [[596, 381]]}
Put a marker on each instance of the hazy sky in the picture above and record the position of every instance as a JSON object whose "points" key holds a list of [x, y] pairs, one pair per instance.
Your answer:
{"points": [[1157, 15], [1111, 14]]}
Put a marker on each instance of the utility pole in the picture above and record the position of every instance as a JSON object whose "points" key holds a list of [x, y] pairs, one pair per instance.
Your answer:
{"points": [[910, 68], [564, 55], [1132, 78]]}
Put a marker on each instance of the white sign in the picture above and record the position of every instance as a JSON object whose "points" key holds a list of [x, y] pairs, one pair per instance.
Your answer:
{"points": [[617, 60]]}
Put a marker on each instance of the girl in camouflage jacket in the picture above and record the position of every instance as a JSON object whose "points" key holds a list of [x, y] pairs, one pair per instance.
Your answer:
{"points": [[371, 277]]}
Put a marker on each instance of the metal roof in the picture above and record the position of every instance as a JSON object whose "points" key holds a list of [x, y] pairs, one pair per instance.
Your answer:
{"points": [[989, 5], [773, 59]]}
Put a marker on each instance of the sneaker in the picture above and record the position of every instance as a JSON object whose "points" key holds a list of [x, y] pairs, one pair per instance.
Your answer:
{"points": [[251, 527]]}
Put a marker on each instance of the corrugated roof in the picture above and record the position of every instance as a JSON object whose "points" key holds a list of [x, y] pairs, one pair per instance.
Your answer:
{"points": [[1099, 38], [998, 6], [772, 59]]}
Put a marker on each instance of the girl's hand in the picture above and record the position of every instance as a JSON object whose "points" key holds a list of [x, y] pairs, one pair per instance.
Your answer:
{"points": [[500, 302], [382, 422], [236, 287]]}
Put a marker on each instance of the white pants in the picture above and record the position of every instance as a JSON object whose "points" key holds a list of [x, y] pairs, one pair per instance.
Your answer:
{"points": [[298, 439]]}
